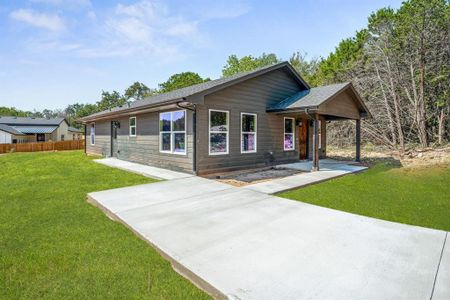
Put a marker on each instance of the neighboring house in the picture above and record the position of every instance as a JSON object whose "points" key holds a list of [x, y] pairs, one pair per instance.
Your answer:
{"points": [[253, 119], [27, 130]]}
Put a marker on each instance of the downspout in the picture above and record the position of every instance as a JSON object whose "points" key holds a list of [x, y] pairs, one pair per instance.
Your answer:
{"points": [[194, 133], [85, 139]]}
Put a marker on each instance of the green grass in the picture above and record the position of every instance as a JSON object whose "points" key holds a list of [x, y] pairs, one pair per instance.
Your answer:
{"points": [[53, 244], [417, 196]]}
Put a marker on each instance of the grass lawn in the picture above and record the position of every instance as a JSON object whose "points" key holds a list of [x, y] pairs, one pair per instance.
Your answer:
{"points": [[53, 244], [417, 196]]}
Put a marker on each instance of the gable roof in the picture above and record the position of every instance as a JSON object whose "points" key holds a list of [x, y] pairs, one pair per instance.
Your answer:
{"points": [[201, 88], [30, 121], [315, 97], [9, 129]]}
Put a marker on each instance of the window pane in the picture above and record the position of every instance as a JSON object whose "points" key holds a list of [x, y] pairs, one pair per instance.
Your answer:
{"points": [[248, 142], [218, 142], [288, 141], [179, 142], [248, 123], [165, 141], [164, 122], [133, 130], [132, 121], [218, 121], [288, 126], [178, 121]]}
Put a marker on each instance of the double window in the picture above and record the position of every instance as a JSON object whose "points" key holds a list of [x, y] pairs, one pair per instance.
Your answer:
{"points": [[92, 132], [248, 132], [132, 124], [172, 132], [218, 131], [289, 137]]}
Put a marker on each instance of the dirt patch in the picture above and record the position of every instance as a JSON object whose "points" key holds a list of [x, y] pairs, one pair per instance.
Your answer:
{"points": [[244, 178]]}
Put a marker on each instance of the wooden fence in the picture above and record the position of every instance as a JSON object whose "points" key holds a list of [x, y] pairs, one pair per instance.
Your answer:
{"points": [[43, 146]]}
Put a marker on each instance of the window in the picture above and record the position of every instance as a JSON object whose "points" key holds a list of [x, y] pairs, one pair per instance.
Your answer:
{"points": [[132, 123], [218, 132], [73, 136], [319, 136], [289, 143], [172, 132], [62, 137], [92, 133], [248, 132]]}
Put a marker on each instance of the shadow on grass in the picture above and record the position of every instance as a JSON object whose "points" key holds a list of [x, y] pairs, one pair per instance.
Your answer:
{"points": [[388, 161]]}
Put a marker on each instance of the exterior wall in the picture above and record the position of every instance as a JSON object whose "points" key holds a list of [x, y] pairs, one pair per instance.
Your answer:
{"points": [[63, 129], [71, 134], [5, 137], [102, 138], [144, 147], [344, 105], [251, 96]]}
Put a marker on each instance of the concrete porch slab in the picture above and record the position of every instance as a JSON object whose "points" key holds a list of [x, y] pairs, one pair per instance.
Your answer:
{"points": [[329, 169], [147, 171], [442, 287]]}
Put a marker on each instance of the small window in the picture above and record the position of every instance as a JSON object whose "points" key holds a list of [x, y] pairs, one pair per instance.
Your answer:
{"points": [[62, 137], [172, 132], [218, 132], [132, 123], [248, 133], [92, 133], [319, 136], [289, 138]]}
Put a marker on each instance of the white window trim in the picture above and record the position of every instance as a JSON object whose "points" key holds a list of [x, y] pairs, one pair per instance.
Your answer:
{"points": [[227, 132], [172, 133], [130, 126], [293, 133], [90, 134], [250, 132]]}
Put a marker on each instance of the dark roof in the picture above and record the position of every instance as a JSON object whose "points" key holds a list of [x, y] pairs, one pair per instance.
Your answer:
{"points": [[310, 98], [201, 88], [10, 129], [73, 129], [30, 121]]}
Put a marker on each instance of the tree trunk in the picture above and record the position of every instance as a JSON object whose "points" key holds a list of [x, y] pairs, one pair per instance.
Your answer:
{"points": [[441, 127]]}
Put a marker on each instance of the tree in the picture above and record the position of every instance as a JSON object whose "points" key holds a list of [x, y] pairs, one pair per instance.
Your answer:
{"points": [[181, 80], [247, 63], [110, 100], [138, 91], [13, 112], [306, 69]]}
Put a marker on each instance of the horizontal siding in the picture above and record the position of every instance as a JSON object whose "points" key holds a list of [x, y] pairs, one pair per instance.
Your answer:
{"points": [[102, 138], [251, 96], [144, 147]]}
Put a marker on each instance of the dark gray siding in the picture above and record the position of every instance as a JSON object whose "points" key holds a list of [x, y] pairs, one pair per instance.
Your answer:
{"points": [[102, 138], [144, 147], [251, 96]]}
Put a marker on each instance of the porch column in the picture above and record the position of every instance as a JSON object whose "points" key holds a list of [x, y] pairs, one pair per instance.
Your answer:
{"points": [[316, 144], [358, 140]]}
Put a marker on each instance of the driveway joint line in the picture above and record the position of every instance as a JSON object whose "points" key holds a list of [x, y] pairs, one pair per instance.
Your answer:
{"points": [[438, 266]]}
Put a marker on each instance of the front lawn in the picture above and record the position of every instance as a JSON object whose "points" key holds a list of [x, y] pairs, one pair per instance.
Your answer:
{"points": [[53, 244], [412, 195]]}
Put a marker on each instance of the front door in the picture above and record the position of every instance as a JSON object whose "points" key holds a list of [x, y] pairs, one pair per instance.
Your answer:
{"points": [[114, 126], [303, 139]]}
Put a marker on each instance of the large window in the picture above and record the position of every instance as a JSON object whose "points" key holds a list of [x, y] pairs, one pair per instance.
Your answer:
{"points": [[218, 132], [92, 133], [172, 132], [248, 132], [289, 137], [132, 123]]}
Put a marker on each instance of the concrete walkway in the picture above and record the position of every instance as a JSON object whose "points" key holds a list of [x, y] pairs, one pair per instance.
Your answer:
{"points": [[329, 169], [147, 171], [243, 244]]}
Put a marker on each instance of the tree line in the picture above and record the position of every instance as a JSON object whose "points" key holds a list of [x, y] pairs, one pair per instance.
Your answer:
{"points": [[399, 63]]}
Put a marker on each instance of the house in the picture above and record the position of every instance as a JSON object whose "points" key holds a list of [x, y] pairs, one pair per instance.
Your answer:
{"points": [[27, 129], [253, 119]]}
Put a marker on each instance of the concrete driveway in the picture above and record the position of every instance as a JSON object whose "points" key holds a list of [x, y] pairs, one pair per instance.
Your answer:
{"points": [[243, 244]]}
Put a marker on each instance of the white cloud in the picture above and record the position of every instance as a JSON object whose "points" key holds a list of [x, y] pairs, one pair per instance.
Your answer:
{"points": [[37, 19]]}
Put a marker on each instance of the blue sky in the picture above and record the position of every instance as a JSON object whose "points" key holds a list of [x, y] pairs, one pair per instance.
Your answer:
{"points": [[58, 52]]}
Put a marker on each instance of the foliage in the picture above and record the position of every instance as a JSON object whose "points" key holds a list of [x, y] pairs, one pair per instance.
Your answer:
{"points": [[181, 80], [12, 111], [415, 196], [248, 63], [308, 69], [55, 245], [138, 91]]}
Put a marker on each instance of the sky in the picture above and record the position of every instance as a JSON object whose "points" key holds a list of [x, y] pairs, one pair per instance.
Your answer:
{"points": [[58, 52]]}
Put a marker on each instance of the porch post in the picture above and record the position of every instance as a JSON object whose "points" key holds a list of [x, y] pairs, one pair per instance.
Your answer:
{"points": [[358, 140], [316, 143]]}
